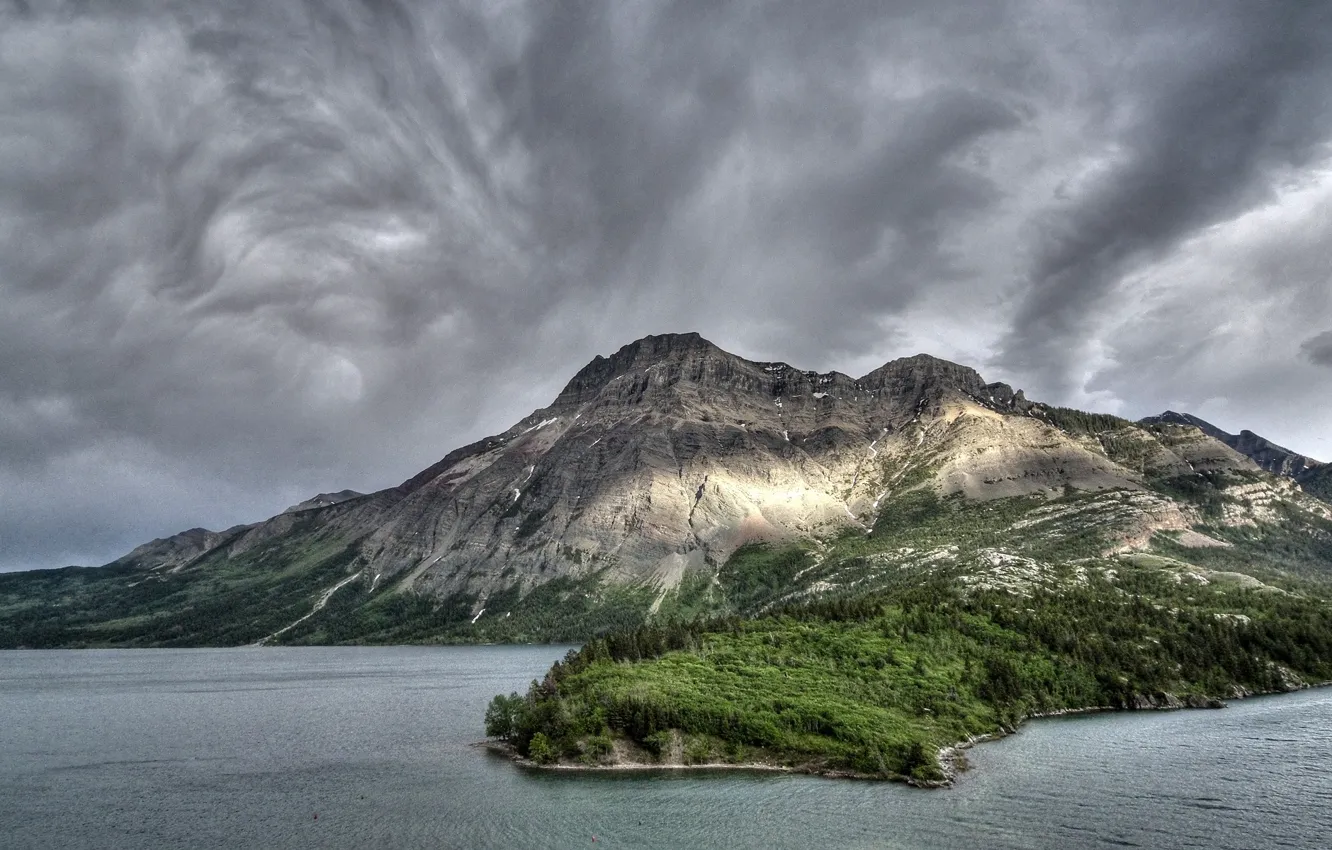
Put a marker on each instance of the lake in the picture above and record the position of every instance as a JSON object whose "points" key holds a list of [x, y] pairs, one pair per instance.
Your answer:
{"points": [[372, 747]]}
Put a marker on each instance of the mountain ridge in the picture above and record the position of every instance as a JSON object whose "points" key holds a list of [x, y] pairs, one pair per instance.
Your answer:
{"points": [[654, 466], [915, 376]]}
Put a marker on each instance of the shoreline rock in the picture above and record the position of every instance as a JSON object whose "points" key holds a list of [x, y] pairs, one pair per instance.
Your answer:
{"points": [[507, 751]]}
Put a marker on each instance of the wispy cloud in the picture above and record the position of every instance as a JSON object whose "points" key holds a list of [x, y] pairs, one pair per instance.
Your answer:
{"points": [[252, 250]]}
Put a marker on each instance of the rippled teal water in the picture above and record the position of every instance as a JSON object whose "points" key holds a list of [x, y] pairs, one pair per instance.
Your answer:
{"points": [[242, 748]]}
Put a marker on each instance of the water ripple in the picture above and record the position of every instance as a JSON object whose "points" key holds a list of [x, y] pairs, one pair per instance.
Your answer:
{"points": [[224, 748]]}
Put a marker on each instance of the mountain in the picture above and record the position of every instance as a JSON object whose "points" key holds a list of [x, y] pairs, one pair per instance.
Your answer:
{"points": [[651, 481], [1268, 455]]}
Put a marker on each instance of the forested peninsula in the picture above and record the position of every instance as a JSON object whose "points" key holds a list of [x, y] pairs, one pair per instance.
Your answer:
{"points": [[888, 683]]}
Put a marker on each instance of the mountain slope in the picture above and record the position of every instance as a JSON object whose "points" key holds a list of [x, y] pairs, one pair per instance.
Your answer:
{"points": [[630, 496], [880, 654]]}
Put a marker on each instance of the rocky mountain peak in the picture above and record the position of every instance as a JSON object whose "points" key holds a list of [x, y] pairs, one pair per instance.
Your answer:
{"points": [[1172, 417], [925, 376], [671, 370], [637, 355], [173, 551]]}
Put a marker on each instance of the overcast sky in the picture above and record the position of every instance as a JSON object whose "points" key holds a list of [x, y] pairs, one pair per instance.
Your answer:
{"points": [[250, 251]]}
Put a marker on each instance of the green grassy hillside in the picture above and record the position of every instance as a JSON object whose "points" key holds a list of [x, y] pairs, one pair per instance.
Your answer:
{"points": [[222, 601]]}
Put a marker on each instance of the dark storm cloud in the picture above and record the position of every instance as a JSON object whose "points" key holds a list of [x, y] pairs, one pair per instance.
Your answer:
{"points": [[628, 114], [1230, 99], [1319, 349], [678, 146], [252, 250]]}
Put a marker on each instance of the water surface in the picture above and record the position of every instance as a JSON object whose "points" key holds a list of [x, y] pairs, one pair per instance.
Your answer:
{"points": [[244, 747]]}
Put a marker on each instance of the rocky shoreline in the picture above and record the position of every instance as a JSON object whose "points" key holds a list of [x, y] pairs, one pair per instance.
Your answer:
{"points": [[644, 765]]}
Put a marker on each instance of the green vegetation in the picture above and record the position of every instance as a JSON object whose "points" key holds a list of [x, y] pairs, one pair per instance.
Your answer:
{"points": [[949, 619], [1198, 488], [228, 601], [1129, 448], [756, 573], [561, 610], [540, 750], [1298, 544], [1318, 482], [1079, 422], [877, 684]]}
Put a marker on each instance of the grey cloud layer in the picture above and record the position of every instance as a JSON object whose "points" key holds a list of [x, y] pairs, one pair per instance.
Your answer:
{"points": [[1226, 104], [256, 249]]}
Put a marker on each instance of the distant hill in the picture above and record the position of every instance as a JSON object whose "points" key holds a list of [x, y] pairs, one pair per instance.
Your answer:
{"points": [[1268, 455]]}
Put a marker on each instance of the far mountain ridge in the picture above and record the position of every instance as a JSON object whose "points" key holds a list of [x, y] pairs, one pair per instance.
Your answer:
{"points": [[1276, 459], [323, 500]]}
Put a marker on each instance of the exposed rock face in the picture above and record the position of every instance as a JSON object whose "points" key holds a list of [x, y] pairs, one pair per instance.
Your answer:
{"points": [[984, 455], [671, 453]]}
